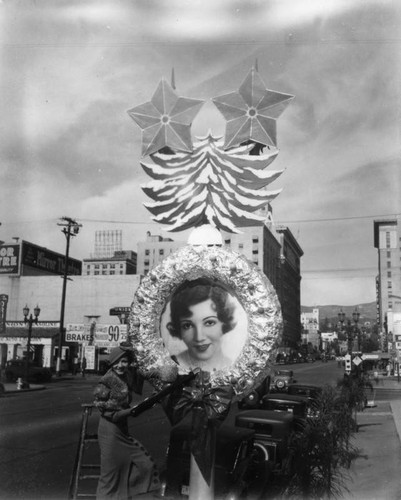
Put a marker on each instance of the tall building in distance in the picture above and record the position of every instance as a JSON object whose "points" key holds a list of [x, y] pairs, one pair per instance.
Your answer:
{"points": [[109, 258], [153, 250], [107, 243], [387, 240], [310, 327]]}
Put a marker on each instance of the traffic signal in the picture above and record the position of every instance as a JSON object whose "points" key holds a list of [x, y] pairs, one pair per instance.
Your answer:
{"points": [[347, 359]]}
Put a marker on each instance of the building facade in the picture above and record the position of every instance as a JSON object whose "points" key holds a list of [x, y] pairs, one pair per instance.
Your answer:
{"points": [[310, 327], [89, 300], [276, 252], [121, 262], [152, 251], [387, 240]]}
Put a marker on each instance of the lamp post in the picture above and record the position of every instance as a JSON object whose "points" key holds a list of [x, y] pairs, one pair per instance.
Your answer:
{"points": [[30, 320], [341, 319], [355, 317], [70, 228]]}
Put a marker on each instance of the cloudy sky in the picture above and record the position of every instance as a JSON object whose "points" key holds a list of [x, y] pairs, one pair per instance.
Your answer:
{"points": [[71, 69]]}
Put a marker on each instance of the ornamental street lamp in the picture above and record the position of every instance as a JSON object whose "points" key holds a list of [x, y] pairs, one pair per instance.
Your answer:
{"points": [[30, 321], [352, 332], [355, 317]]}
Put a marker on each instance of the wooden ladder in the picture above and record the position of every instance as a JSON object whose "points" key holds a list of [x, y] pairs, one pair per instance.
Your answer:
{"points": [[80, 469]]}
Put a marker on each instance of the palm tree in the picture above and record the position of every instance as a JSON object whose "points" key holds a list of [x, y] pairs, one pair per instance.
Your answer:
{"points": [[321, 450]]}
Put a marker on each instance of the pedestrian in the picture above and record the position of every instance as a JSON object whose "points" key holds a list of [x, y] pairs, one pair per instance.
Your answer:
{"points": [[126, 468], [75, 365], [376, 376], [83, 366]]}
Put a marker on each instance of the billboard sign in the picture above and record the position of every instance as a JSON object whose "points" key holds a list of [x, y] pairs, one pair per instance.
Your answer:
{"points": [[78, 332], [3, 312], [9, 259], [104, 335], [42, 259], [110, 335]]}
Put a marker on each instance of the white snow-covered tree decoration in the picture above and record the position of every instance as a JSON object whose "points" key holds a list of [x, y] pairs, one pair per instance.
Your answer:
{"points": [[210, 186]]}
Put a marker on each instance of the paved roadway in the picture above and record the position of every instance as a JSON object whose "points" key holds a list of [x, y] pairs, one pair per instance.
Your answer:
{"points": [[39, 431]]}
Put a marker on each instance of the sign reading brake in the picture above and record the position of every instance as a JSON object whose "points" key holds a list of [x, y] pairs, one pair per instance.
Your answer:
{"points": [[77, 337]]}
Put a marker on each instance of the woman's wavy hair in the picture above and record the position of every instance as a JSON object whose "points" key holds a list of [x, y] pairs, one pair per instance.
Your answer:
{"points": [[194, 292]]}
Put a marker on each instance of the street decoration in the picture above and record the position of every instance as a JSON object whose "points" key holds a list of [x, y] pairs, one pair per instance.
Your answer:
{"points": [[166, 120], [258, 335], [210, 185], [221, 183], [251, 112]]}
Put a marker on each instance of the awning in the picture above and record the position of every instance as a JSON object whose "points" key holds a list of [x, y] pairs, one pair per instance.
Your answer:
{"points": [[37, 332]]}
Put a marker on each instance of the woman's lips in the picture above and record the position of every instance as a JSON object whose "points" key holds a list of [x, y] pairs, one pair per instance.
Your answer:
{"points": [[202, 348]]}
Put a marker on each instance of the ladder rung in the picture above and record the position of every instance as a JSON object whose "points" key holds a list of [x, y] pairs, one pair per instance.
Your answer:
{"points": [[89, 476], [86, 495], [90, 437], [90, 466]]}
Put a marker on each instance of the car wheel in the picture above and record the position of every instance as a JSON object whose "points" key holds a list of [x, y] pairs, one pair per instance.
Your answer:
{"points": [[280, 384]]}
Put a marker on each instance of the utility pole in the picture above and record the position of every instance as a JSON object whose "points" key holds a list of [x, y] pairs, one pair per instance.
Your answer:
{"points": [[70, 228]]}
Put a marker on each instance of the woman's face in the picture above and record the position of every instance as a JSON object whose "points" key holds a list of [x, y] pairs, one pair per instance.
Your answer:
{"points": [[121, 366], [201, 330]]}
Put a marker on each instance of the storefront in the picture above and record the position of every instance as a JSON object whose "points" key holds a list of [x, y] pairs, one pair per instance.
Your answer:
{"points": [[44, 339]]}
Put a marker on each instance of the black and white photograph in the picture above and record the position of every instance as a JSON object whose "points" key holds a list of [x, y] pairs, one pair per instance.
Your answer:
{"points": [[200, 249]]}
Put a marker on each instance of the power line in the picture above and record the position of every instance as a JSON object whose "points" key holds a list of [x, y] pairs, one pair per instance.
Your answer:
{"points": [[211, 41], [299, 221]]}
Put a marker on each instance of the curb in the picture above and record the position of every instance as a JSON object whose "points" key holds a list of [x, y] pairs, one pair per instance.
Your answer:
{"points": [[20, 391]]}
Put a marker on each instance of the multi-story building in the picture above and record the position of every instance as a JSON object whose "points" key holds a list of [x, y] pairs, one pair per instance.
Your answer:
{"points": [[310, 327], [109, 258], [154, 250], [122, 262], [277, 253], [289, 290], [387, 240]]}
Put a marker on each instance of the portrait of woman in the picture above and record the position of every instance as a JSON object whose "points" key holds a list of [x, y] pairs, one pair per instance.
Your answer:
{"points": [[202, 314]]}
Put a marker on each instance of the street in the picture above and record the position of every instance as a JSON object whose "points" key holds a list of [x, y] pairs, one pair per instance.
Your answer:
{"points": [[39, 431]]}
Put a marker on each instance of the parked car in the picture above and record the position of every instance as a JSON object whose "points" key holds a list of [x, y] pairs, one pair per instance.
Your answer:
{"points": [[16, 368], [273, 431], [297, 405], [281, 380], [253, 399], [309, 390], [237, 470]]}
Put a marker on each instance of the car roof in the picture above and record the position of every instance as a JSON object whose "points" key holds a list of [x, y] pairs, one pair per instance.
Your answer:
{"points": [[284, 397]]}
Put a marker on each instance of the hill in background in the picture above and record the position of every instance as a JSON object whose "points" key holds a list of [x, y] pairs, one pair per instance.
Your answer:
{"points": [[368, 312]]}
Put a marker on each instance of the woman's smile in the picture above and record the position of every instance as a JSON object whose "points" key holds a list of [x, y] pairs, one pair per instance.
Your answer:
{"points": [[202, 330]]}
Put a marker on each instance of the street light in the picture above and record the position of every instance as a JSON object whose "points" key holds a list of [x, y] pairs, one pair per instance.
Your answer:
{"points": [[70, 228], [31, 320], [350, 332], [355, 317]]}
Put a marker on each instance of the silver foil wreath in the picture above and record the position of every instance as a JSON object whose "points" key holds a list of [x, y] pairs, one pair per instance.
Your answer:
{"points": [[247, 284]]}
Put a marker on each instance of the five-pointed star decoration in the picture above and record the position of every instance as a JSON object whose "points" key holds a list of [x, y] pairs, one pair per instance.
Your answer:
{"points": [[166, 120], [251, 112]]}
